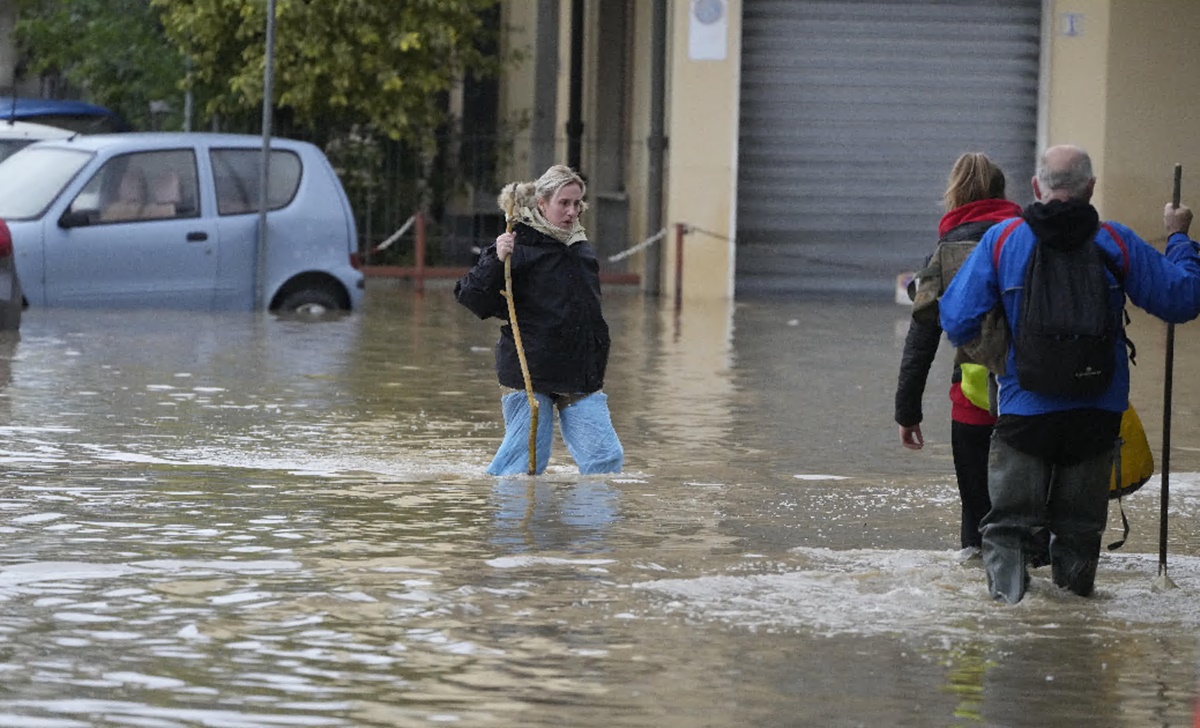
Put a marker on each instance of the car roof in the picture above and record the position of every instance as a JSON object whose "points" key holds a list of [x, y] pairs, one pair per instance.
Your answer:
{"points": [[148, 140], [10, 129], [19, 107], [66, 113]]}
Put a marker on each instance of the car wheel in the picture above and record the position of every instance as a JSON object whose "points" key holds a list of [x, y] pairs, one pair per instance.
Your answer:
{"points": [[310, 301]]}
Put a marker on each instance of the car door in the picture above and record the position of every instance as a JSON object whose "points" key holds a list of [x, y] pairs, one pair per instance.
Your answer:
{"points": [[236, 182], [137, 237]]}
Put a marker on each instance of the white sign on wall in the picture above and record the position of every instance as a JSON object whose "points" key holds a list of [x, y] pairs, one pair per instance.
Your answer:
{"points": [[1071, 24], [708, 26]]}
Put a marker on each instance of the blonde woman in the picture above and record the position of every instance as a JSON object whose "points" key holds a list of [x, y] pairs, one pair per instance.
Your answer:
{"points": [[975, 201], [556, 292]]}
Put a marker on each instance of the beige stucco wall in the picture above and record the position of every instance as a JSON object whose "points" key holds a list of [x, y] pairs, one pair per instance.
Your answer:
{"points": [[1153, 110], [1116, 79], [516, 92], [1075, 67], [1121, 88], [639, 130], [701, 164]]}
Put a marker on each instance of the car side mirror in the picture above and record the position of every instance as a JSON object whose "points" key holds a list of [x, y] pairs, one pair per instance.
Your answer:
{"points": [[74, 219]]}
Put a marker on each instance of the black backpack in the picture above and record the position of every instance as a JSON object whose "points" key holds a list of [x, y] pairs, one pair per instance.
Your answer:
{"points": [[1066, 339]]}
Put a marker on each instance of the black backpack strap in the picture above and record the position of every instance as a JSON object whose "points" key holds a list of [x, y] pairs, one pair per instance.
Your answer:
{"points": [[1117, 474], [1125, 523], [1120, 276]]}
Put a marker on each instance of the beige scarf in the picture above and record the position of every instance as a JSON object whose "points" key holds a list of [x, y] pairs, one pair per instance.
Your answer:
{"points": [[520, 205], [536, 220]]}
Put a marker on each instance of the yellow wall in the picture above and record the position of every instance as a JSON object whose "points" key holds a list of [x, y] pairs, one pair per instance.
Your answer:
{"points": [[639, 131], [1120, 87], [1076, 91], [1153, 110], [563, 96], [701, 163], [516, 92]]}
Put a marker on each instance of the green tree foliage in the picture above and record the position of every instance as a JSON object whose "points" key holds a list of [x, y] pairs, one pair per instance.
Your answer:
{"points": [[380, 64], [114, 51], [383, 64], [367, 80]]}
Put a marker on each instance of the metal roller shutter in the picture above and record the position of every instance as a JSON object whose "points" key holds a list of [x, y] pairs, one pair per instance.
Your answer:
{"points": [[852, 114]]}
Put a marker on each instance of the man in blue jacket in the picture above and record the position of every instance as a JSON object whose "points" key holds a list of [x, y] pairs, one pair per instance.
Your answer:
{"points": [[1051, 459]]}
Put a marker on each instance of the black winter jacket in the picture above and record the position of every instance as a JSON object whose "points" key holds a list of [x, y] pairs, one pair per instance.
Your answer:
{"points": [[556, 289]]}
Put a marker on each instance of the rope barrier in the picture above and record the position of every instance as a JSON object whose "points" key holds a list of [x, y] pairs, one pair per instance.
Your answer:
{"points": [[693, 229], [659, 236], [396, 235], [611, 259], [644, 244]]}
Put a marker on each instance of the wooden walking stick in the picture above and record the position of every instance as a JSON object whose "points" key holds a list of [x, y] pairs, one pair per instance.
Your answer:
{"points": [[512, 320], [1163, 582]]}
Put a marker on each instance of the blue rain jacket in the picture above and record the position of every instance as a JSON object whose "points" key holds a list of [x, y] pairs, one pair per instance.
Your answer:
{"points": [[1167, 286]]}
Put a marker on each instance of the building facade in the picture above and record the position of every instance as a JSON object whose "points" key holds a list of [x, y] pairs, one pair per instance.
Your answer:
{"points": [[805, 144]]}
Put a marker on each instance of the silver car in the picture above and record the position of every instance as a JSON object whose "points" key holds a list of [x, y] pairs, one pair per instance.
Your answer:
{"points": [[162, 219], [16, 135]]}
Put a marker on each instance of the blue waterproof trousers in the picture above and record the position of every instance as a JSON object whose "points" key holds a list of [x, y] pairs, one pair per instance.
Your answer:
{"points": [[1029, 494], [586, 429]]}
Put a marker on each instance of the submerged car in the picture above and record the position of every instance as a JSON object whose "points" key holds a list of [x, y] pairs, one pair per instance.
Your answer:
{"points": [[163, 219]]}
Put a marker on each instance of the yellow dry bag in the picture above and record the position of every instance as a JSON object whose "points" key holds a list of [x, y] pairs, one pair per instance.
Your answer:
{"points": [[1134, 463]]}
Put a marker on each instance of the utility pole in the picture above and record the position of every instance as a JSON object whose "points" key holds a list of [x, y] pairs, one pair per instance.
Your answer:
{"points": [[264, 174]]}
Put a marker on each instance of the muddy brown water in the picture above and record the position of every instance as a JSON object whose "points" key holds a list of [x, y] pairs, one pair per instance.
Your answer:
{"points": [[238, 520]]}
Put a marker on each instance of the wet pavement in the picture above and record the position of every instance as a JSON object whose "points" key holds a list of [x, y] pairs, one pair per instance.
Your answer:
{"points": [[238, 520]]}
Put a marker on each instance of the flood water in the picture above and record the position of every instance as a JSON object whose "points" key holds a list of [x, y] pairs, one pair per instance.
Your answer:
{"points": [[236, 520]]}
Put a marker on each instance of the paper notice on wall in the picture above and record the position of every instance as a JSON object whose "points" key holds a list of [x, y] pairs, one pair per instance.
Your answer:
{"points": [[708, 26], [1070, 24]]}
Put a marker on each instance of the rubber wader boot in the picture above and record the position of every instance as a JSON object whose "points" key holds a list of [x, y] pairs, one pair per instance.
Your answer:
{"points": [[1039, 548], [1073, 562], [1004, 560]]}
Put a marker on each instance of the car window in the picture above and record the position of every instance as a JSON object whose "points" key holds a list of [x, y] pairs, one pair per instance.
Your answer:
{"points": [[237, 173], [98, 123], [8, 147], [142, 186], [34, 177]]}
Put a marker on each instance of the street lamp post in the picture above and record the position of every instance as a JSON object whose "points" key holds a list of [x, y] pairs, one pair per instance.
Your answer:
{"points": [[265, 163]]}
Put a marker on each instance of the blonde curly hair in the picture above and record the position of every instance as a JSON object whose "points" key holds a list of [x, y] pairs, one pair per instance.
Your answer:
{"points": [[518, 200]]}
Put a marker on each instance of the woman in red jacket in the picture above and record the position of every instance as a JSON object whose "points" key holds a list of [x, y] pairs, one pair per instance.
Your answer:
{"points": [[975, 201]]}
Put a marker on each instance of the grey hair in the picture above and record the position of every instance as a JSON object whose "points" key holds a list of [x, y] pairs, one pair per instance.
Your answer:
{"points": [[1072, 178]]}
